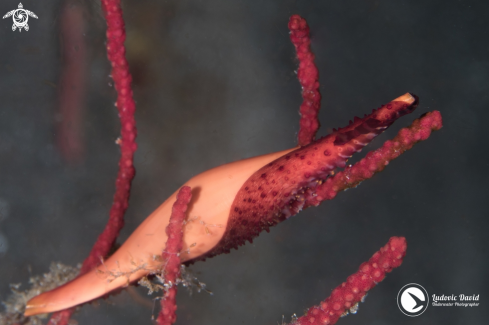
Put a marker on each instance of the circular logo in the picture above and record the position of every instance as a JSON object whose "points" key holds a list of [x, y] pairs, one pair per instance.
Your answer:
{"points": [[412, 299], [20, 17]]}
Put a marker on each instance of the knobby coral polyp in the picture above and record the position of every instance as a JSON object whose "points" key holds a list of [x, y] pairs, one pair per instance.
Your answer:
{"points": [[231, 204]]}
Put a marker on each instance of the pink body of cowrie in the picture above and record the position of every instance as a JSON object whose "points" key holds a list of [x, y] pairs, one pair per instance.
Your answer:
{"points": [[230, 204]]}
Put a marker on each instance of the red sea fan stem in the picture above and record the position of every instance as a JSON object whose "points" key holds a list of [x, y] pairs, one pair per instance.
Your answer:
{"points": [[376, 161], [174, 244], [72, 83], [116, 36], [307, 73], [351, 292]]}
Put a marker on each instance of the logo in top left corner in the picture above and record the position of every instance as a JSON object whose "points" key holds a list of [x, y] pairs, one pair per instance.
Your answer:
{"points": [[20, 17]]}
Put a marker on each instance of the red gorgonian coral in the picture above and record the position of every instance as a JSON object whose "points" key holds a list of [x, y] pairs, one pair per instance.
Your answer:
{"points": [[241, 199]]}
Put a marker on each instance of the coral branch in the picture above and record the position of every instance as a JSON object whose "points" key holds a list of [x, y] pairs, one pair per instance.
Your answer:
{"points": [[126, 107], [349, 293], [69, 136], [171, 255], [308, 78], [61, 317], [376, 161]]}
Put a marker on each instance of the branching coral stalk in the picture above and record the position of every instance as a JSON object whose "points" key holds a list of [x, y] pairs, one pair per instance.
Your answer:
{"points": [[377, 160], [125, 104], [308, 74], [347, 295], [171, 256]]}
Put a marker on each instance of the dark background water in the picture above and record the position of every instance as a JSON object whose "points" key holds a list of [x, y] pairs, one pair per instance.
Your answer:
{"points": [[214, 83]]}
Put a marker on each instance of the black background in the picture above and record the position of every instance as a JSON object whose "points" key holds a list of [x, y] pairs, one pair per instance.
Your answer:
{"points": [[215, 83]]}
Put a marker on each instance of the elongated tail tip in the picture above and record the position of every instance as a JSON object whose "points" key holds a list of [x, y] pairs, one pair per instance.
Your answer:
{"points": [[36, 305], [65, 296]]}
